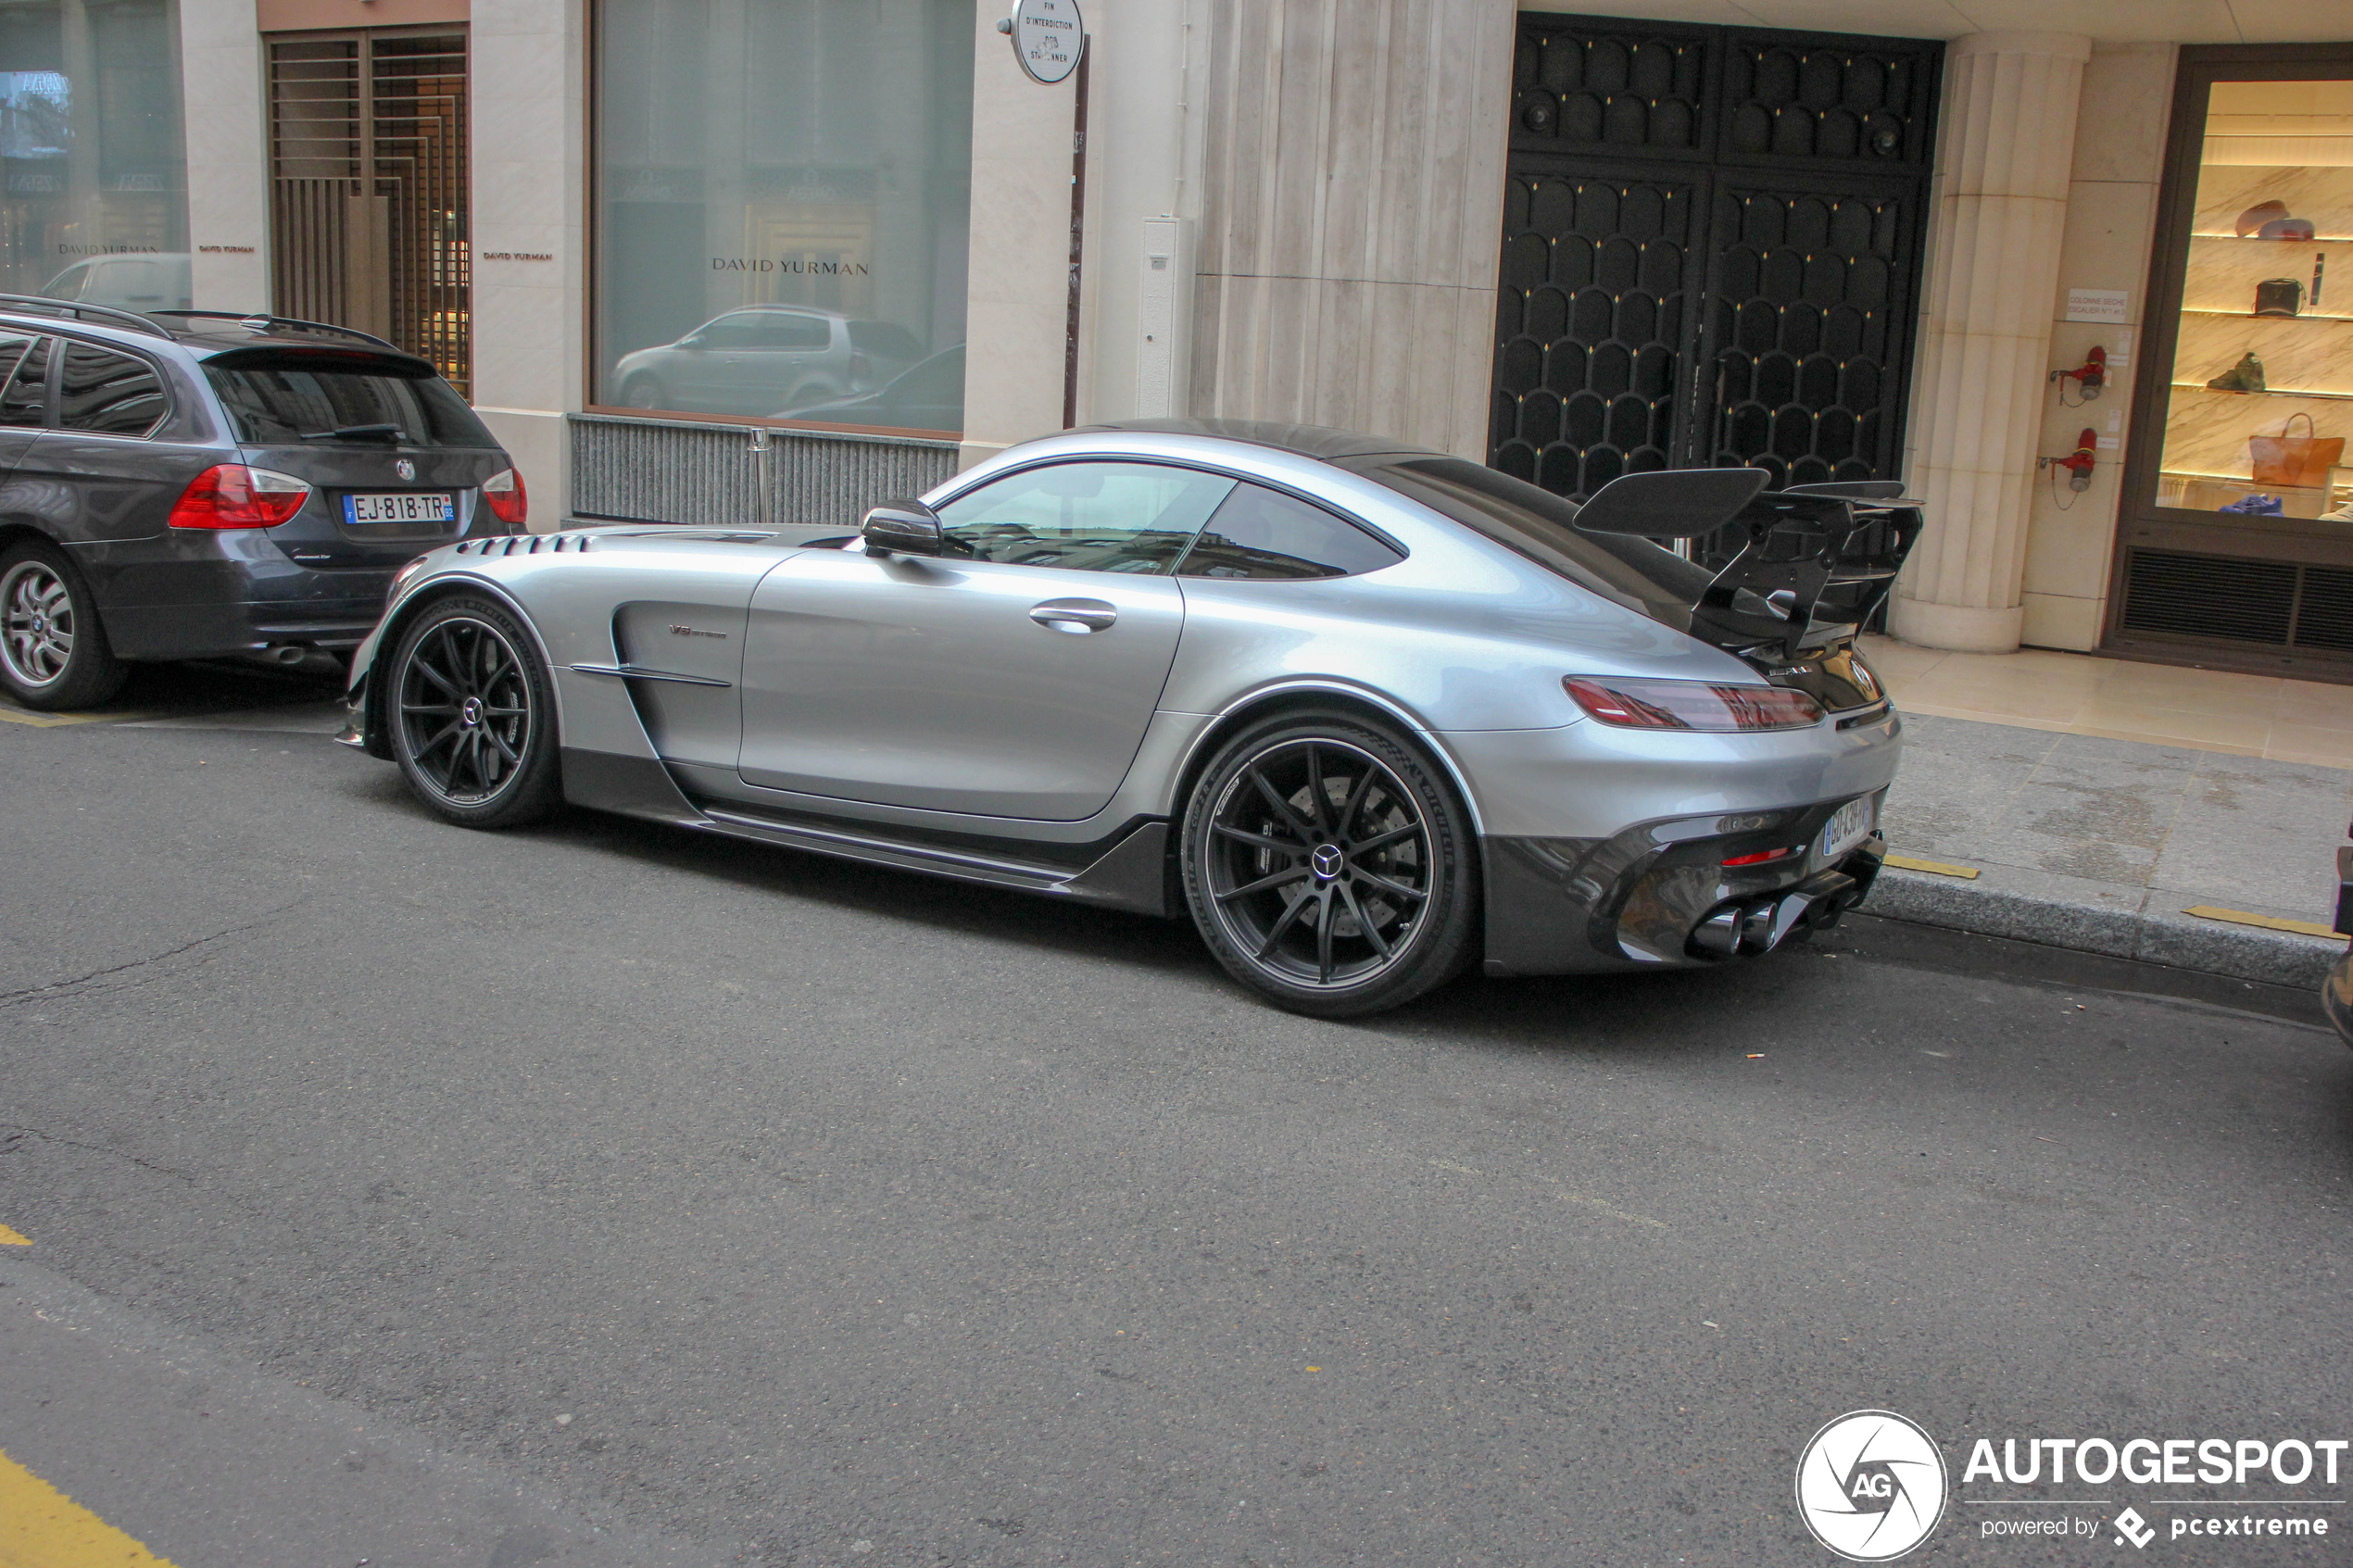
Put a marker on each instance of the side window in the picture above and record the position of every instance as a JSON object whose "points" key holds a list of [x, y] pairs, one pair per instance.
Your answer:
{"points": [[24, 398], [781, 329], [1265, 534], [1085, 516], [114, 394], [738, 330]]}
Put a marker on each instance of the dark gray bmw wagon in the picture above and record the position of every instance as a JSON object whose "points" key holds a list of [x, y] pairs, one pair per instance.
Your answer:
{"points": [[192, 485]]}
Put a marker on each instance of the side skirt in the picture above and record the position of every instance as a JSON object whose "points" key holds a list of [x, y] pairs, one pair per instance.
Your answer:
{"points": [[1132, 874]]}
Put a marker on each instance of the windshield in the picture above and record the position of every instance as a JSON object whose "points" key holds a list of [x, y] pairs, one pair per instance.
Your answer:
{"points": [[1631, 572], [279, 399]]}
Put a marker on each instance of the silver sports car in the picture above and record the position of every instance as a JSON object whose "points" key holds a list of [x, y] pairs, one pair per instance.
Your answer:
{"points": [[1368, 714]]}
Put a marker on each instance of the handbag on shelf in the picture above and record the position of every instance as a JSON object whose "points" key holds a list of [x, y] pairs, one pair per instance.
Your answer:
{"points": [[2300, 462], [2279, 296]]}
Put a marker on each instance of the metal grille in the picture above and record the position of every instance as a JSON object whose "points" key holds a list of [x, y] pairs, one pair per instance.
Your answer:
{"points": [[1592, 302], [2172, 593], [369, 175], [668, 470], [1835, 98], [1800, 314], [1710, 245], [1615, 90]]}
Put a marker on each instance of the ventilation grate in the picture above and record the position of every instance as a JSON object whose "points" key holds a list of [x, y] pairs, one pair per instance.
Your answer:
{"points": [[2324, 609], [2173, 594]]}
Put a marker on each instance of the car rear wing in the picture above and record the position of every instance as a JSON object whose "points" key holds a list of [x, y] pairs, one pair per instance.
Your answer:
{"points": [[1809, 564]]}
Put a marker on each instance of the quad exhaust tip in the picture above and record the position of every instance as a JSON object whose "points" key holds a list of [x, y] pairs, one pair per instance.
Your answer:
{"points": [[1747, 927]]}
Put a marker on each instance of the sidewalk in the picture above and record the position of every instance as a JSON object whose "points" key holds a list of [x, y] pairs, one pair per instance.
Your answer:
{"points": [[2098, 801]]}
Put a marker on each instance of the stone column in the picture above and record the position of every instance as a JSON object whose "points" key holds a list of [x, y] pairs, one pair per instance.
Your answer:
{"points": [[2003, 154]]}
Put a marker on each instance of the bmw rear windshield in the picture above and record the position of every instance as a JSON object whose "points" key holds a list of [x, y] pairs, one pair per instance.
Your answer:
{"points": [[1538, 524], [310, 397]]}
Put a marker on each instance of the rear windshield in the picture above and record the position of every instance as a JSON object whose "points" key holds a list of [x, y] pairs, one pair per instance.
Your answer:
{"points": [[279, 399], [1633, 572]]}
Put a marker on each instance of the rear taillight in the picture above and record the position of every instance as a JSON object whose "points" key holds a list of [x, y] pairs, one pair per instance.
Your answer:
{"points": [[509, 503], [1690, 705], [233, 495]]}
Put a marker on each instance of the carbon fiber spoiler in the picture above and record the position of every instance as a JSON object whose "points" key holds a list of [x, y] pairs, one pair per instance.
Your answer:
{"points": [[1809, 564]]}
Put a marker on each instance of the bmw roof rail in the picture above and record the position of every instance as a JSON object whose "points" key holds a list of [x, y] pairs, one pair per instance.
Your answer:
{"points": [[284, 323], [104, 315]]}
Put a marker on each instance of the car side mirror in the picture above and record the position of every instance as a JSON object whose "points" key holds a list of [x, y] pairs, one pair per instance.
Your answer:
{"points": [[1676, 504], [902, 528]]}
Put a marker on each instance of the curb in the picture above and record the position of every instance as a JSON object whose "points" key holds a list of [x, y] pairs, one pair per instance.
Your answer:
{"points": [[2104, 917]]}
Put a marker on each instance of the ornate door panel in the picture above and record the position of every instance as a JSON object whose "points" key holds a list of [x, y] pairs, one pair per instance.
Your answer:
{"points": [[1711, 243]]}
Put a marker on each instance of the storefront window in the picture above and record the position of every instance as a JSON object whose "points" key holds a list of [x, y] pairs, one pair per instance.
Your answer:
{"points": [[783, 194], [96, 206], [2261, 395]]}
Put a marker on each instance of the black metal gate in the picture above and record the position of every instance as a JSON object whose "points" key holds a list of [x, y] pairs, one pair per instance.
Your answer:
{"points": [[1711, 243]]}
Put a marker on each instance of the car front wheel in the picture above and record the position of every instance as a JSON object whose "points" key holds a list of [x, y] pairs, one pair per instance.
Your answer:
{"points": [[1329, 866], [53, 652], [474, 716]]}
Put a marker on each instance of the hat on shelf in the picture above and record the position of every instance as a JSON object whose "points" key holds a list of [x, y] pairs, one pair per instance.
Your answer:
{"points": [[2255, 217]]}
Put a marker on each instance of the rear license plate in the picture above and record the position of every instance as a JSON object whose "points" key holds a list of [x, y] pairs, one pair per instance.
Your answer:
{"points": [[1849, 826], [399, 507]]}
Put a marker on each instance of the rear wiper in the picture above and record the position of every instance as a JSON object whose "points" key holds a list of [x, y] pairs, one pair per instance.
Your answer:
{"points": [[356, 432]]}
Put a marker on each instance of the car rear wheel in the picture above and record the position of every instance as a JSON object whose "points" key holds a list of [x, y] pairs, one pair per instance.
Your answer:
{"points": [[474, 716], [1329, 866], [644, 392], [53, 652]]}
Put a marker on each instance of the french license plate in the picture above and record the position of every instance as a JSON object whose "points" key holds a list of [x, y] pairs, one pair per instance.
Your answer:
{"points": [[400, 506], [1849, 826]]}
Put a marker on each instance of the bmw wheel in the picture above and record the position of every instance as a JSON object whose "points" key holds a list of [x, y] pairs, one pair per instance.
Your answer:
{"points": [[474, 716], [1329, 866], [53, 652]]}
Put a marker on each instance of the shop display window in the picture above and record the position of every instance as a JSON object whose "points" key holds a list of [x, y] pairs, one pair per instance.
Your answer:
{"points": [[2261, 402], [782, 200], [93, 181]]}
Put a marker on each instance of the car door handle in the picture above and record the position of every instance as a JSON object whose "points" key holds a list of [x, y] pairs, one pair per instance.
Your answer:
{"points": [[1075, 615]]}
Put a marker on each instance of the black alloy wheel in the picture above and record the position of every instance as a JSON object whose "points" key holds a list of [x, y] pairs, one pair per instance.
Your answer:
{"points": [[53, 652], [472, 719], [1330, 867]]}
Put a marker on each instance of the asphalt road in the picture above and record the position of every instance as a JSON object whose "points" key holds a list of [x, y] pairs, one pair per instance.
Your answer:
{"points": [[600, 1193]]}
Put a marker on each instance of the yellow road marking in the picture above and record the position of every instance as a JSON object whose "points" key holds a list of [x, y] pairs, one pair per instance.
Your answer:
{"points": [[41, 1527], [1934, 868], [10, 1239], [50, 721], [2269, 922]]}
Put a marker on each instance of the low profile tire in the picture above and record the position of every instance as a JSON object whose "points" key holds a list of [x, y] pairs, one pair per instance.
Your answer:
{"points": [[1329, 866], [473, 716], [53, 652]]}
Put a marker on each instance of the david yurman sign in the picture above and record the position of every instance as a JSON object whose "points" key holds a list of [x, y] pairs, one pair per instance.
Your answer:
{"points": [[819, 268]]}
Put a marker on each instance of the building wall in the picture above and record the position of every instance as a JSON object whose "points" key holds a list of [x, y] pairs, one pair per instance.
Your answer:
{"points": [[530, 235], [227, 138], [1352, 214], [2111, 216]]}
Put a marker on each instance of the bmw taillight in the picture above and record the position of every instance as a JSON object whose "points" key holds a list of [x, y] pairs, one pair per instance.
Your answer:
{"points": [[509, 503], [233, 495], [1643, 704]]}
